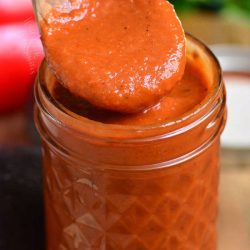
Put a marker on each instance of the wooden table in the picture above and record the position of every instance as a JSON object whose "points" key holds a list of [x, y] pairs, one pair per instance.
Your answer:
{"points": [[234, 220]]}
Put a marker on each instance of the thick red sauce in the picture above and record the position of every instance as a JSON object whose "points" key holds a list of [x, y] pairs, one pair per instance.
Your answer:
{"points": [[118, 55], [188, 93]]}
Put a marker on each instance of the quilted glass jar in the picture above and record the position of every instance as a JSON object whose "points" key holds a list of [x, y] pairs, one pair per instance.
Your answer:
{"points": [[132, 187]]}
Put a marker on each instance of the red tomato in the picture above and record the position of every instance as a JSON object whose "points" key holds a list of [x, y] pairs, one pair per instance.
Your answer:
{"points": [[15, 10], [20, 55]]}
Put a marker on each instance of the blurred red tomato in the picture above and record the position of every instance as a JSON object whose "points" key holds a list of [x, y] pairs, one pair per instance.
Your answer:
{"points": [[20, 55], [15, 10]]}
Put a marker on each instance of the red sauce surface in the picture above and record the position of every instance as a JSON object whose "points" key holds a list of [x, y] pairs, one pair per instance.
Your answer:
{"points": [[189, 92], [118, 55]]}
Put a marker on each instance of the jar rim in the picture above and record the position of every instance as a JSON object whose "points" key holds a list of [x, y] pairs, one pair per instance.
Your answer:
{"points": [[134, 132]]}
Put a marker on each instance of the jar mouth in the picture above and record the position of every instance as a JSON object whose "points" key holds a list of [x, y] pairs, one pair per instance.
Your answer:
{"points": [[132, 133]]}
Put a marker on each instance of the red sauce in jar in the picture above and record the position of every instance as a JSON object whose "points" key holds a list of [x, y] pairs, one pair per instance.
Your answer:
{"points": [[187, 93], [130, 137]]}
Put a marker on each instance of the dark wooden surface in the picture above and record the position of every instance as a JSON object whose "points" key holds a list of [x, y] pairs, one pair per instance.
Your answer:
{"points": [[21, 201]]}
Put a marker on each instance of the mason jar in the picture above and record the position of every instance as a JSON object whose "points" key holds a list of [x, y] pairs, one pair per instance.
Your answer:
{"points": [[132, 187]]}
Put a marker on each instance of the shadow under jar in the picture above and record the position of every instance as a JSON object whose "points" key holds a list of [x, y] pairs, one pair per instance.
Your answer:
{"points": [[132, 187]]}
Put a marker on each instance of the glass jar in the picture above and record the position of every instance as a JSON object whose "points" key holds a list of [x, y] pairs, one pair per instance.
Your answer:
{"points": [[132, 187]]}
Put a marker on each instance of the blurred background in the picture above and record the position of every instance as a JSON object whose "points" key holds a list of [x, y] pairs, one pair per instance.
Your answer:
{"points": [[222, 24]]}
